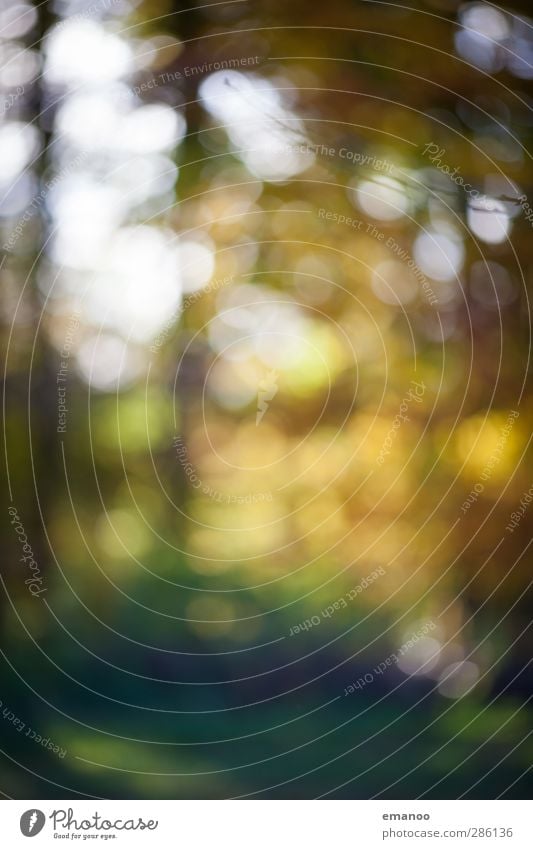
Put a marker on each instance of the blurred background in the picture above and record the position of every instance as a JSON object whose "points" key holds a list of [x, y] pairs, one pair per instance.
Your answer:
{"points": [[266, 329]]}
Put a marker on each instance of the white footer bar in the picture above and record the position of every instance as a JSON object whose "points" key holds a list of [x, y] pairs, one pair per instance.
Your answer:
{"points": [[267, 824]]}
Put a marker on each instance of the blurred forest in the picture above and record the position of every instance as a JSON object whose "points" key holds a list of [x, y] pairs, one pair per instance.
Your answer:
{"points": [[266, 270]]}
